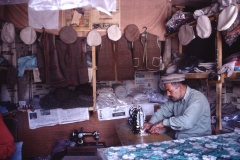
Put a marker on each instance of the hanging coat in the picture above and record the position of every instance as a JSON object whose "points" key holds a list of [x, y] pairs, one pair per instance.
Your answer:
{"points": [[114, 60], [146, 54]]}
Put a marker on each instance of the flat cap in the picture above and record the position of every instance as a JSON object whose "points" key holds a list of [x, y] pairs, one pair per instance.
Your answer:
{"points": [[94, 38], [114, 33], [204, 28], [131, 32], [8, 33], [169, 78], [28, 35], [68, 35], [227, 17], [186, 34]]}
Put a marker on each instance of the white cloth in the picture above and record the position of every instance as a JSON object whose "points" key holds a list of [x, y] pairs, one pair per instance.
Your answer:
{"points": [[48, 19], [228, 67]]}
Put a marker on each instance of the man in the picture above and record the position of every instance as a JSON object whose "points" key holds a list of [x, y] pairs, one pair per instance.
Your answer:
{"points": [[187, 111]]}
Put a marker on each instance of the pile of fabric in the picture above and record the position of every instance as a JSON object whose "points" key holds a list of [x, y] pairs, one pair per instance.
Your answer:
{"points": [[231, 63]]}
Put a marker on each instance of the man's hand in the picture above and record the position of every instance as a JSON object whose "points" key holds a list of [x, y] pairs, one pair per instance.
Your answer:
{"points": [[147, 126], [157, 125]]}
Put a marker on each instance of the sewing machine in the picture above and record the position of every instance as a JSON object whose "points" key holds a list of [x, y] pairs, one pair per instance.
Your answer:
{"points": [[136, 119], [77, 137], [79, 147]]}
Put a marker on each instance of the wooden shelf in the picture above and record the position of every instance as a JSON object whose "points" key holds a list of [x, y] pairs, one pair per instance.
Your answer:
{"points": [[235, 74], [196, 75]]}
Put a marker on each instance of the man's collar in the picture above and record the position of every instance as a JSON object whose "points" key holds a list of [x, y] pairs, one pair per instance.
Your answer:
{"points": [[186, 94]]}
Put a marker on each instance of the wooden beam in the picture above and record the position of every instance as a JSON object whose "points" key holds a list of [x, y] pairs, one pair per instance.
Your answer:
{"points": [[94, 79], [192, 3], [219, 85]]}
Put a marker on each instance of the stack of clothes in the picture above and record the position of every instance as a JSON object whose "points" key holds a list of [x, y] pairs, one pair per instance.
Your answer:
{"points": [[205, 67]]}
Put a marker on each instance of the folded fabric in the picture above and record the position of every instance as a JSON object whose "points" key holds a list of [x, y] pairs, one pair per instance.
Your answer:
{"points": [[140, 98], [228, 67], [105, 90], [29, 62]]}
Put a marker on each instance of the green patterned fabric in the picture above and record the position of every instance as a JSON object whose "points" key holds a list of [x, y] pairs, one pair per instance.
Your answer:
{"points": [[224, 146]]}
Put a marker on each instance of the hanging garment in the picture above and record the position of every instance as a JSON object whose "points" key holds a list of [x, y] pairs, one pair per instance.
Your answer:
{"points": [[72, 63], [63, 64], [146, 53], [47, 59], [114, 60]]}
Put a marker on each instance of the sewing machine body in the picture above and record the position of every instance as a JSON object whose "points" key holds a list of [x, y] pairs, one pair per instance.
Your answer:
{"points": [[136, 119]]}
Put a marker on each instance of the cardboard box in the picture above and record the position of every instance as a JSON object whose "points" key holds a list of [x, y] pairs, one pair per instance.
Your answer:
{"points": [[110, 113]]}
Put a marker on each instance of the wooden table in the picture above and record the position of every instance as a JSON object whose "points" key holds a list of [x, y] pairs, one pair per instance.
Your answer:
{"points": [[128, 138]]}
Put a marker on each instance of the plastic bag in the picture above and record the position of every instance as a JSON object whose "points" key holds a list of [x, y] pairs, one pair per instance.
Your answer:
{"points": [[105, 6], [177, 20]]}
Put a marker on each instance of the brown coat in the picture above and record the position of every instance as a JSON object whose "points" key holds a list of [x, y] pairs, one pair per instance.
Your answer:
{"points": [[72, 63], [47, 60], [146, 56], [114, 60]]}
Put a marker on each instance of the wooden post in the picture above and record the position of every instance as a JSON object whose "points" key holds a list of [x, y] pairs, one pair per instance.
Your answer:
{"points": [[94, 80], [219, 85]]}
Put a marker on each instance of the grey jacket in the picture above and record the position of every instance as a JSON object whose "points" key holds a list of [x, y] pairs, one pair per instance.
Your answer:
{"points": [[190, 117]]}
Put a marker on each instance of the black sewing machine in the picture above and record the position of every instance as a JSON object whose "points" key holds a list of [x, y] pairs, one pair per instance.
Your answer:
{"points": [[136, 119], [77, 137]]}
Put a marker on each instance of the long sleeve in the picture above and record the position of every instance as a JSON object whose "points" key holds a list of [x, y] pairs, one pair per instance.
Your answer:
{"points": [[189, 117], [165, 111], [194, 111]]}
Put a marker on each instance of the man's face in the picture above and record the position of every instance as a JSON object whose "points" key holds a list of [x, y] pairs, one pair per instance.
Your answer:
{"points": [[173, 92]]}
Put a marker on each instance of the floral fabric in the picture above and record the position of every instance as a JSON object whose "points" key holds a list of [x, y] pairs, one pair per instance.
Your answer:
{"points": [[224, 146]]}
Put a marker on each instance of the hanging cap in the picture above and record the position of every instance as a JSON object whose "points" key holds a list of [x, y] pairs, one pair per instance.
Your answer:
{"points": [[204, 28], [131, 32], [8, 33], [68, 35], [28, 35], [94, 38], [227, 17], [185, 34], [173, 78], [114, 33]]}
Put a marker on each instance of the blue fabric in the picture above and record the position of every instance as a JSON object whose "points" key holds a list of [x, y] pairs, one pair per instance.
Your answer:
{"points": [[224, 146], [29, 62], [17, 155]]}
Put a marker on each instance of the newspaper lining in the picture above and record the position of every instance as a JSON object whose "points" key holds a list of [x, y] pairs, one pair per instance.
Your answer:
{"points": [[41, 117]]}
